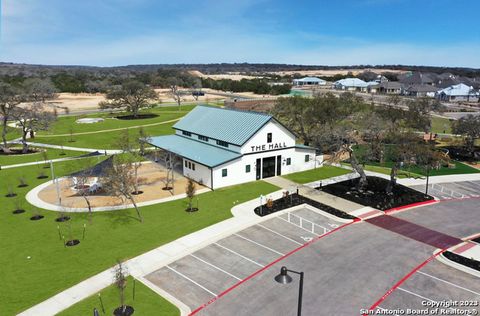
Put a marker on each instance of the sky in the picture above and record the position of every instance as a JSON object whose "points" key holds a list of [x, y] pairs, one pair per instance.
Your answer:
{"points": [[309, 32]]}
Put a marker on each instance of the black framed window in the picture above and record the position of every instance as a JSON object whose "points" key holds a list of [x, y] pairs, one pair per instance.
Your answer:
{"points": [[224, 173], [289, 161], [186, 133], [247, 168], [204, 138], [222, 143], [307, 158], [186, 164], [269, 137], [193, 166]]}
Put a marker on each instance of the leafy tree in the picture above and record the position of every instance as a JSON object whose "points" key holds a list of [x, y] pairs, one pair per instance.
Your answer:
{"points": [[469, 127], [132, 96], [190, 191]]}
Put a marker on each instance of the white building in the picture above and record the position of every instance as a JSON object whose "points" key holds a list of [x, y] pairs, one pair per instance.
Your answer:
{"points": [[458, 92], [351, 84], [309, 81], [221, 147]]}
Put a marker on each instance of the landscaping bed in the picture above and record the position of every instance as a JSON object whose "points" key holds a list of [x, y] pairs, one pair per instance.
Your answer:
{"points": [[297, 199], [470, 263], [477, 240], [374, 194], [461, 153]]}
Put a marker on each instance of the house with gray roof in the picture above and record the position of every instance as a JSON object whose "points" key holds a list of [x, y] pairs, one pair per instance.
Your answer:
{"points": [[309, 81], [351, 84], [459, 92], [390, 87], [420, 90], [221, 147]]}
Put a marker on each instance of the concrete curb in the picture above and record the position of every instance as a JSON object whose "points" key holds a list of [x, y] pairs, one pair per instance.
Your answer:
{"points": [[458, 266]]}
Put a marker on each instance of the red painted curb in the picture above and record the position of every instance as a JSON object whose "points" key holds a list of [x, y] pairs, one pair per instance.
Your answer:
{"points": [[404, 207], [268, 266], [402, 280]]}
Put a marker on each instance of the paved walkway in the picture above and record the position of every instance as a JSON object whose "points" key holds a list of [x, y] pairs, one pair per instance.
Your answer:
{"points": [[414, 231]]}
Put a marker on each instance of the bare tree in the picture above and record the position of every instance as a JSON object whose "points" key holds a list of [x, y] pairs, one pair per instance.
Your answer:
{"points": [[143, 140], [132, 96], [80, 181], [120, 181], [10, 98], [169, 161], [40, 90], [32, 118], [175, 91], [120, 281]]}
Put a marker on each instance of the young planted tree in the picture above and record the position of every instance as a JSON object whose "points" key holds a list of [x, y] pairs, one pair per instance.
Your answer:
{"points": [[131, 96], [120, 181], [143, 140], [190, 191], [120, 281], [469, 127], [169, 161]]}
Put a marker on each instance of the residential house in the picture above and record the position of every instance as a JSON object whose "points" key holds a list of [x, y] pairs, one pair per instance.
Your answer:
{"points": [[309, 81], [420, 90], [458, 92], [351, 84]]}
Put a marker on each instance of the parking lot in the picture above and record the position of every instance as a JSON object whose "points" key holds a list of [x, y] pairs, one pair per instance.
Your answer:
{"points": [[345, 271], [204, 274], [447, 191], [435, 282]]}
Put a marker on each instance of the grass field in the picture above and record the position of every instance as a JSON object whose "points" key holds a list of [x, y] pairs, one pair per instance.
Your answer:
{"points": [[316, 174], [52, 153], [441, 125], [112, 235], [146, 302], [105, 140]]}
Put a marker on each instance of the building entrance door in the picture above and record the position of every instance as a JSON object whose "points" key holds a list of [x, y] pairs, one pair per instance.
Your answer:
{"points": [[268, 167]]}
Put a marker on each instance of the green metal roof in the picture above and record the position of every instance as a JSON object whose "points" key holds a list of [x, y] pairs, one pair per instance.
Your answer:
{"points": [[199, 152], [232, 126]]}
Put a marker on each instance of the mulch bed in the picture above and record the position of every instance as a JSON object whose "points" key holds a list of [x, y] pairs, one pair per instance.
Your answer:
{"points": [[17, 151], [470, 263], [139, 116], [477, 240], [36, 217], [190, 210], [137, 192], [18, 211], [42, 176], [297, 199], [72, 242], [23, 185], [10, 195], [374, 194], [62, 218], [120, 312]]}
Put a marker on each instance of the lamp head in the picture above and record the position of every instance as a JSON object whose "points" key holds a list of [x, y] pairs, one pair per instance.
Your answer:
{"points": [[283, 277]]}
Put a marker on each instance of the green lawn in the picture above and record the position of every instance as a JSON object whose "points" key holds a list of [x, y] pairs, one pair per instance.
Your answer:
{"points": [[146, 302], [316, 174], [385, 170], [106, 140], [112, 235], [38, 156], [441, 125]]}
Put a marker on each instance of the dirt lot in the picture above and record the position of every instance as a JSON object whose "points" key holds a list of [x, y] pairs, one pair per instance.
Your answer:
{"points": [[150, 179]]}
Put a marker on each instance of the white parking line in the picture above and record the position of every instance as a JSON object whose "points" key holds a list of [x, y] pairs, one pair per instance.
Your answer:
{"points": [[447, 282], [417, 295], [256, 243], [303, 219], [287, 238], [297, 226], [241, 256], [215, 267], [187, 278]]}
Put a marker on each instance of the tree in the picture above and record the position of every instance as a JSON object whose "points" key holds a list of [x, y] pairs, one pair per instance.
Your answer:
{"points": [[469, 127], [131, 96], [120, 181], [120, 281], [429, 158], [40, 90], [32, 118], [143, 140], [10, 98], [418, 114], [173, 84], [124, 141], [190, 191], [169, 161]]}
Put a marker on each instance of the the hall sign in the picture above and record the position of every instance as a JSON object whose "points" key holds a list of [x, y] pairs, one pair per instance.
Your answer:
{"points": [[268, 147]]}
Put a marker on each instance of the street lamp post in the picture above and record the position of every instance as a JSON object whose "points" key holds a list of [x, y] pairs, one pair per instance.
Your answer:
{"points": [[284, 278]]}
